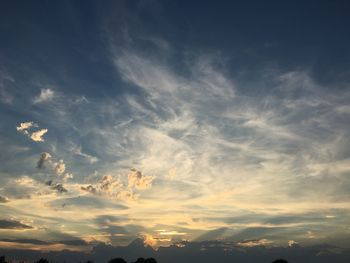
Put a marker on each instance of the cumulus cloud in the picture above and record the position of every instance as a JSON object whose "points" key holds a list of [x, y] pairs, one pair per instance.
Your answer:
{"points": [[114, 187], [110, 186], [24, 126], [13, 224], [38, 135], [44, 158], [44, 96], [60, 167], [139, 181]]}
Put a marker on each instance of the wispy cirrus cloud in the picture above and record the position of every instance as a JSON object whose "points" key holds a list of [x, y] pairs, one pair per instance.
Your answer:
{"points": [[45, 95]]}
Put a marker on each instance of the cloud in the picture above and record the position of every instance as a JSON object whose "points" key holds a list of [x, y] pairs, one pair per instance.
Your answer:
{"points": [[5, 96], [12, 224], [139, 181], [112, 187], [25, 241], [38, 135], [4, 199], [44, 158], [24, 126], [67, 176], [78, 151], [60, 167], [292, 243], [44, 96], [255, 242], [56, 186]]}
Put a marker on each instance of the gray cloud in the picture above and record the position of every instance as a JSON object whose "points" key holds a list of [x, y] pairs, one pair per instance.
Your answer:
{"points": [[44, 158], [86, 202], [56, 186], [12, 224], [4, 199], [25, 241]]}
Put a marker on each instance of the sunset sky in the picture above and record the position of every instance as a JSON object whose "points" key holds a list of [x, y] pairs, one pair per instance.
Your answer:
{"points": [[174, 120]]}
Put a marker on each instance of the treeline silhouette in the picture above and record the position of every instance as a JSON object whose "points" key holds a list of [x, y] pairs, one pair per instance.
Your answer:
{"points": [[121, 260]]}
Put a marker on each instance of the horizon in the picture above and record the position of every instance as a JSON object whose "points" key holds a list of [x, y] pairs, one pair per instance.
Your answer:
{"points": [[174, 122]]}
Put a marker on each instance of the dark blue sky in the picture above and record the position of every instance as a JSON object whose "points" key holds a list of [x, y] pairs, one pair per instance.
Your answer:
{"points": [[69, 39]]}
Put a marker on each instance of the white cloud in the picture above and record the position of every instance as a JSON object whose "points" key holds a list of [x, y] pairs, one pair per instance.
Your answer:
{"points": [[44, 96], [60, 167], [24, 126], [38, 135]]}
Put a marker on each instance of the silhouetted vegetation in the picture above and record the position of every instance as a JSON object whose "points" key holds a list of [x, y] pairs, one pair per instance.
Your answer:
{"points": [[42, 260], [117, 260], [2, 259], [147, 260], [140, 260], [280, 261]]}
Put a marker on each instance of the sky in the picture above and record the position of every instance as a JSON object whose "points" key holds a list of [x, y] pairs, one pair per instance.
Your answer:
{"points": [[174, 121]]}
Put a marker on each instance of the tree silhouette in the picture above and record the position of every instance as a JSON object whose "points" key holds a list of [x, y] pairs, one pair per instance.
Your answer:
{"points": [[280, 261], [2, 259], [147, 260], [150, 260], [42, 260], [140, 260], [117, 260]]}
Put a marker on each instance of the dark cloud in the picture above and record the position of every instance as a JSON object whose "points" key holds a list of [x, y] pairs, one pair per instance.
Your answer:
{"points": [[260, 232], [3, 199], [86, 202], [12, 224], [25, 241], [74, 242], [56, 186], [107, 219], [44, 158]]}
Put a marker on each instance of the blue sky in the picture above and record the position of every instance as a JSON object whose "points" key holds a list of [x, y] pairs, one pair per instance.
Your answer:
{"points": [[174, 120]]}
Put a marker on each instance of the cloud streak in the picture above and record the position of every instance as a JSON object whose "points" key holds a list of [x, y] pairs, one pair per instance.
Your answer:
{"points": [[45, 95]]}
